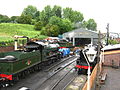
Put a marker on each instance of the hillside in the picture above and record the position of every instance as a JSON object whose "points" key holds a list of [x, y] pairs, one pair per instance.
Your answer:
{"points": [[8, 30]]}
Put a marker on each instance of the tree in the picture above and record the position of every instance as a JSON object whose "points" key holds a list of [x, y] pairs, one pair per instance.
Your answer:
{"points": [[46, 14], [73, 16], [65, 25], [14, 19], [77, 17], [50, 30], [37, 15], [4, 18], [84, 24], [54, 20], [91, 25], [43, 17], [57, 11], [31, 11], [24, 19]]}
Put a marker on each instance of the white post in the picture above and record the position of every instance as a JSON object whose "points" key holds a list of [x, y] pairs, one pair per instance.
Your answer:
{"points": [[91, 41], [88, 83], [88, 72], [73, 41], [15, 45]]}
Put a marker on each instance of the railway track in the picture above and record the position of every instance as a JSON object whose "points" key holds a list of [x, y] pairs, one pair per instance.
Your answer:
{"points": [[65, 60], [36, 79], [59, 84], [59, 74]]}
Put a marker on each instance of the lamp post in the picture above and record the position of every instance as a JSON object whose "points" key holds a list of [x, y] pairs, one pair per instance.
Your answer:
{"points": [[107, 33]]}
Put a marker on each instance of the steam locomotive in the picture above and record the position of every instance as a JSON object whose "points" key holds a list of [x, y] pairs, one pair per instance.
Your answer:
{"points": [[34, 56], [87, 59]]}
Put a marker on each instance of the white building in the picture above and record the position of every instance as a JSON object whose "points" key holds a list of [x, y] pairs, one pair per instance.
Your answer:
{"points": [[81, 36]]}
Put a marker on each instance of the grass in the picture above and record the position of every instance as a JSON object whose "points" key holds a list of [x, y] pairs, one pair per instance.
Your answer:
{"points": [[8, 30]]}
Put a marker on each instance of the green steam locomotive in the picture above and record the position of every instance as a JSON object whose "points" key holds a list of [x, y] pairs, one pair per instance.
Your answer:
{"points": [[21, 62]]}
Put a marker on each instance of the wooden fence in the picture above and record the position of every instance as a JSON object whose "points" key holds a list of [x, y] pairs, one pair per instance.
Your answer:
{"points": [[92, 79]]}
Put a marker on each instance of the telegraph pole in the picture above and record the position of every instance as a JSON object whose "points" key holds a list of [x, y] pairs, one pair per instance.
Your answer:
{"points": [[107, 33]]}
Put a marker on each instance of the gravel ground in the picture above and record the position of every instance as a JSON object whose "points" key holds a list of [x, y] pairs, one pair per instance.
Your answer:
{"points": [[113, 79]]}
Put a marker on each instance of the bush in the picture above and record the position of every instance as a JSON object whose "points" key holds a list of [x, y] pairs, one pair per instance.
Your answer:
{"points": [[33, 22], [7, 43], [112, 42], [38, 25], [24, 19], [50, 30]]}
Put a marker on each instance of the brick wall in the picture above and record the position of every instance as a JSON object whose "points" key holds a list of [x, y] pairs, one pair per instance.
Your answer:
{"points": [[7, 49], [112, 59]]}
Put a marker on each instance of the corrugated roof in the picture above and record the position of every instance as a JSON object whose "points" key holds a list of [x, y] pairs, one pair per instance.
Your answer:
{"points": [[81, 33], [110, 47], [81, 29]]}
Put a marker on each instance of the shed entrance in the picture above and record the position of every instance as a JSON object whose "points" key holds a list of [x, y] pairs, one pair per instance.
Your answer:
{"points": [[82, 41]]}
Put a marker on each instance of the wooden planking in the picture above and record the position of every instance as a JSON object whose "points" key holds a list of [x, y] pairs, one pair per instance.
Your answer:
{"points": [[92, 79]]}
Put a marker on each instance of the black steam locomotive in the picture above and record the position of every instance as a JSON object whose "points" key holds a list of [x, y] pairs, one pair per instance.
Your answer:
{"points": [[87, 59]]}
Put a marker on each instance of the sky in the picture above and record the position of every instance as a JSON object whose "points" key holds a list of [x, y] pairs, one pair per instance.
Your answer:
{"points": [[102, 11]]}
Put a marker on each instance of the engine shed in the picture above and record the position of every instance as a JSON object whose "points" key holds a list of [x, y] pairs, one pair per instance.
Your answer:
{"points": [[81, 37]]}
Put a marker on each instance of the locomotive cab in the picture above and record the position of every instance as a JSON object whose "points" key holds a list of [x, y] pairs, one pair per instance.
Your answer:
{"points": [[33, 46]]}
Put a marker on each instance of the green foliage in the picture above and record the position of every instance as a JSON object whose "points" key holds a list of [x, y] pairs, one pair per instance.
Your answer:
{"points": [[57, 11], [30, 11], [43, 17], [113, 42], [38, 25], [5, 38], [73, 16], [50, 20], [40, 37], [55, 20], [8, 30], [4, 18], [84, 24], [14, 19], [46, 14], [50, 30], [64, 25], [33, 22], [37, 15], [7, 43], [24, 19], [91, 25]]}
